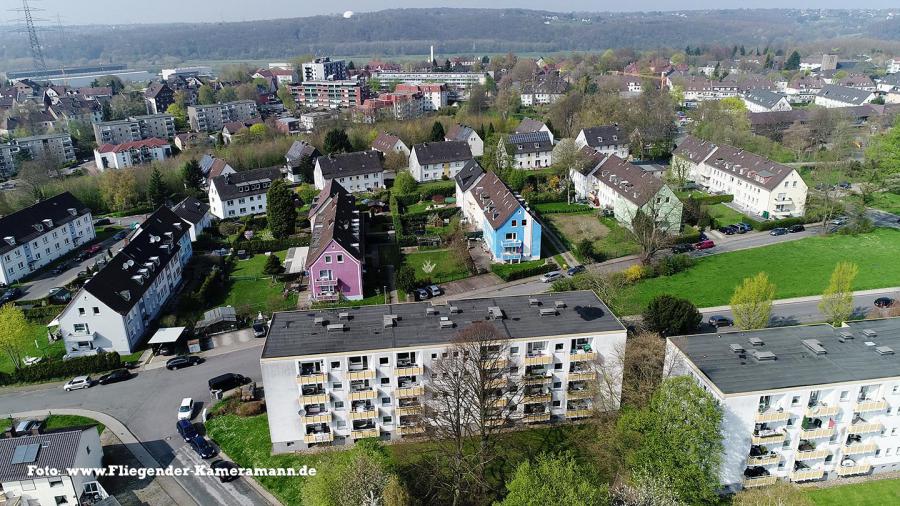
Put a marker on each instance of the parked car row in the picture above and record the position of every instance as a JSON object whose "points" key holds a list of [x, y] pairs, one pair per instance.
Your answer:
{"points": [[81, 382], [737, 228], [226, 471], [428, 292]]}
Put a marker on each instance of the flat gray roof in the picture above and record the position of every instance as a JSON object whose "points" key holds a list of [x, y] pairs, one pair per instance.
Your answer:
{"points": [[296, 333], [796, 364]]}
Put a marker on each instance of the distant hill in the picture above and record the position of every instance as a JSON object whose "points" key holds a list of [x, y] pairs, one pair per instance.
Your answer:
{"points": [[452, 31]]}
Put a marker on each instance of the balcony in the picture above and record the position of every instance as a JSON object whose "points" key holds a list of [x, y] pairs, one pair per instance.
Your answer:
{"points": [[807, 474], [366, 374], [410, 430], [822, 411], [537, 379], [859, 448], [363, 414], [579, 394], [496, 383], [411, 410], [314, 398], [772, 416], [812, 454], [312, 379], [511, 243], [362, 395], [869, 406], [321, 437], [761, 481], [537, 397], [316, 418], [572, 414], [413, 391], [817, 433], [582, 376], [496, 363], [325, 282], [536, 418], [764, 460], [364, 433], [538, 360], [412, 370], [768, 439], [853, 470], [864, 428], [580, 356]]}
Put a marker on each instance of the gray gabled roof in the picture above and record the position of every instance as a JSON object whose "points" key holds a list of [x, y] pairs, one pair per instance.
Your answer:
{"points": [[467, 175], [27, 223], [529, 125], [429, 153], [844, 94], [764, 98], [602, 136], [56, 450], [191, 210], [530, 142], [350, 164]]}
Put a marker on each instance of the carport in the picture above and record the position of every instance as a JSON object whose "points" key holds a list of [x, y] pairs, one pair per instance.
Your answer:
{"points": [[166, 337]]}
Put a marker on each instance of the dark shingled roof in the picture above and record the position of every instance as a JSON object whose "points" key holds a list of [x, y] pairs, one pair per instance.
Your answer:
{"points": [[331, 189], [629, 181], [750, 167], [531, 142], [603, 136], [56, 450], [385, 142], [295, 333], [298, 151], [496, 200], [546, 84], [795, 365], [763, 98], [158, 238], [336, 219], [429, 153], [191, 210], [459, 133], [529, 125], [20, 225], [467, 175], [350, 164], [256, 182], [844, 94]]}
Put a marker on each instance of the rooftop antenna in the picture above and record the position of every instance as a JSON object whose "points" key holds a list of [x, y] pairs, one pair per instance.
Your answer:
{"points": [[37, 54]]}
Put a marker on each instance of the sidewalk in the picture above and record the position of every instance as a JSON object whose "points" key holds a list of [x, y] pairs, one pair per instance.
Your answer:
{"points": [[178, 494], [811, 298]]}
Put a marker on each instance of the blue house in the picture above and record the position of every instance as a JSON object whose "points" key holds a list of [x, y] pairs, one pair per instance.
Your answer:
{"points": [[510, 232]]}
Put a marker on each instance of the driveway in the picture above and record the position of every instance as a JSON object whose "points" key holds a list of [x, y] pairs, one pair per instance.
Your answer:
{"points": [[883, 219]]}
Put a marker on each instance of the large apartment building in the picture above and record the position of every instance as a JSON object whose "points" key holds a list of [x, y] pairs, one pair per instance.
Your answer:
{"points": [[760, 186], [800, 404], [39, 234], [359, 171], [116, 308], [129, 154], [335, 376], [328, 94], [324, 69], [135, 128], [457, 82], [236, 194], [212, 118], [8, 153], [57, 148]]}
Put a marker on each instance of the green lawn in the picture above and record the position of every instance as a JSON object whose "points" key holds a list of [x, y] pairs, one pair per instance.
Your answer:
{"points": [[252, 291], [422, 207], [870, 493], [609, 238], [797, 268], [562, 207], [886, 201], [446, 267], [54, 422], [37, 332], [725, 215]]}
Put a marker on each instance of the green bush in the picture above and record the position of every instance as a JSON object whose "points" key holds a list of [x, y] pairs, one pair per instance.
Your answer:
{"points": [[512, 272], [53, 368], [42, 313], [445, 188], [671, 316], [711, 199], [562, 208], [669, 265], [263, 245], [787, 222]]}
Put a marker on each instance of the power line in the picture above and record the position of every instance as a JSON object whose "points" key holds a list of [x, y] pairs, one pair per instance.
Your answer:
{"points": [[37, 53]]}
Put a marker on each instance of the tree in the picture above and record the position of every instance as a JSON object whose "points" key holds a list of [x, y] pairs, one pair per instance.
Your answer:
{"points": [[669, 315], [336, 141], [357, 477], [650, 227], [118, 189], [437, 132], [837, 300], [404, 184], [793, 61], [257, 132], [751, 303], [180, 115], [226, 94], [192, 175], [680, 415], [477, 102], [406, 278], [156, 189], [395, 494], [272, 266], [507, 103], [564, 113], [280, 210], [553, 479], [113, 82], [124, 105], [206, 95], [287, 98], [16, 332]]}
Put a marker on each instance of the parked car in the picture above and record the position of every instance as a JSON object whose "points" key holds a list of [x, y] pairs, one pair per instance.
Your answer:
{"points": [[10, 295], [421, 294], [845, 185], [707, 244], [259, 329], [115, 376], [743, 226], [703, 236], [225, 470], [59, 269], [720, 321], [186, 430], [202, 447], [102, 221], [550, 276], [182, 361], [93, 249], [884, 302], [778, 231], [26, 426], [739, 228], [729, 230], [840, 220], [682, 248], [796, 228], [435, 290], [575, 270], [77, 383], [120, 235], [227, 381], [186, 409]]}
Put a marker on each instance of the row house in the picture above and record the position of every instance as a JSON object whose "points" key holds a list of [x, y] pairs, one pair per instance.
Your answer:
{"points": [[117, 307], [212, 118], [386, 143], [606, 139], [360, 171], [390, 106], [299, 158], [800, 404], [528, 125], [135, 128], [339, 375], [832, 96], [336, 250], [543, 90], [457, 83], [467, 134], [804, 89], [431, 161], [533, 150], [195, 213], [39, 234], [129, 154], [328, 94], [237, 194], [698, 90], [158, 97]]}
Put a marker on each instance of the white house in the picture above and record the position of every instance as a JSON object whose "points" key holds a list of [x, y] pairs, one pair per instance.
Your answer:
{"points": [[528, 125], [357, 172], [607, 139], [195, 213], [544, 90], [116, 308], [532, 150], [893, 66], [59, 451], [389, 143], [431, 161], [799, 404], [760, 186], [129, 154], [832, 96], [39, 234], [237, 194], [765, 101], [469, 135]]}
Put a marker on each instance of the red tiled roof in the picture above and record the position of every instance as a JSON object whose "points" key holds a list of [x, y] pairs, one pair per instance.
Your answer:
{"points": [[126, 146]]}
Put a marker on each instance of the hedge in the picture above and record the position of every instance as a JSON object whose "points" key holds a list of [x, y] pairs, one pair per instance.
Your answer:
{"points": [[787, 222], [563, 208], [263, 245], [53, 368], [512, 272], [445, 188], [41, 313], [711, 199]]}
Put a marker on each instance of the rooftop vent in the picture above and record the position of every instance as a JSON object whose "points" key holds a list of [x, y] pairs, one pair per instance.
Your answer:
{"points": [[763, 356], [319, 321], [549, 311], [389, 320], [847, 335], [335, 327], [884, 350], [430, 311], [48, 223], [869, 343], [138, 279], [755, 341], [815, 346], [534, 302], [869, 333], [559, 304], [495, 313], [72, 211], [454, 310], [737, 348], [446, 323], [343, 315], [10, 240]]}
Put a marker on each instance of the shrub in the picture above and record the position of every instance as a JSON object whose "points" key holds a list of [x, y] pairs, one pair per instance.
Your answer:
{"points": [[406, 278], [251, 408], [42, 313], [228, 228], [635, 273], [263, 245], [787, 222], [512, 272], [668, 315], [56, 368], [711, 199], [667, 266], [445, 188]]}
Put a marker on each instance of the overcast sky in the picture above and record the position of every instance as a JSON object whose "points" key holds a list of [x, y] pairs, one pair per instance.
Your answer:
{"points": [[160, 11]]}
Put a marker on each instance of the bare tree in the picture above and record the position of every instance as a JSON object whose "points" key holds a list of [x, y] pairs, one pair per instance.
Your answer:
{"points": [[650, 227]]}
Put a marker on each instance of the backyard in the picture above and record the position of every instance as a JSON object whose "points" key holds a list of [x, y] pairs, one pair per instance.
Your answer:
{"points": [[610, 240], [250, 290], [440, 265], [37, 335], [797, 268], [725, 215], [870, 493]]}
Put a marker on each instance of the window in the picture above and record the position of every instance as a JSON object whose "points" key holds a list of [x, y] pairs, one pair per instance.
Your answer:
{"points": [[385, 381], [61, 499], [81, 311], [844, 395], [511, 236], [336, 365], [795, 401], [338, 404], [514, 350], [55, 482], [327, 259], [877, 453], [559, 346], [524, 222], [894, 390], [340, 259], [385, 401], [387, 419], [557, 366], [384, 361], [514, 223], [96, 310], [341, 424], [337, 386], [557, 385], [81, 328]]}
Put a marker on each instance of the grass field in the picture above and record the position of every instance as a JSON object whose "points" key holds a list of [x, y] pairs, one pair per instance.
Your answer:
{"points": [[54, 422], [871, 493], [725, 215], [37, 331], [610, 239], [250, 290], [797, 268], [885, 201], [446, 266]]}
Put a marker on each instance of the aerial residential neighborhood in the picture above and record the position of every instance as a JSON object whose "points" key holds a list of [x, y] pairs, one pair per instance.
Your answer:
{"points": [[520, 254]]}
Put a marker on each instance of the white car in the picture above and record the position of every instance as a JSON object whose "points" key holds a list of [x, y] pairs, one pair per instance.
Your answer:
{"points": [[78, 383], [186, 410], [551, 276]]}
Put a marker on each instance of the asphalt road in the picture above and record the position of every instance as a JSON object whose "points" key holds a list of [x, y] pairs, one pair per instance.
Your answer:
{"points": [[883, 219]]}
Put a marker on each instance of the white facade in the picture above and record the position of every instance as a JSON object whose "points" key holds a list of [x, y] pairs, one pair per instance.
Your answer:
{"points": [[752, 106], [893, 66], [832, 102], [476, 143], [529, 99], [353, 184], [433, 171], [55, 147], [618, 146], [236, 207], [212, 118], [311, 120], [131, 154]]}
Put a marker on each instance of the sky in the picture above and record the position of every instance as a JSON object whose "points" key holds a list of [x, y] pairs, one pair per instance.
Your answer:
{"points": [[79, 12]]}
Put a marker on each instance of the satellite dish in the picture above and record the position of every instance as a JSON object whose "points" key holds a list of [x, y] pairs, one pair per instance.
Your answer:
{"points": [[348, 14]]}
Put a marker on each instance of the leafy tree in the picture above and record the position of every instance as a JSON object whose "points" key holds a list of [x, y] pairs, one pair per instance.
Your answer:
{"points": [[437, 132], [180, 115], [206, 95], [477, 102], [404, 184], [406, 278], [124, 105], [793, 61], [156, 189], [247, 91], [884, 150], [676, 438], [287, 98], [357, 477], [751, 303], [272, 265], [257, 132], [227, 94], [553, 480], [395, 494], [118, 189], [280, 210], [192, 175], [669, 315], [113, 82], [837, 301], [336, 141], [16, 332]]}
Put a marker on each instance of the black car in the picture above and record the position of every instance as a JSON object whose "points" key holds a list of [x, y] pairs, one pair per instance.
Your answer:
{"points": [[703, 236], [778, 231], [884, 302], [186, 430], [575, 270], [10, 295], [729, 230], [720, 321], [796, 228], [844, 185], [120, 235], [259, 329], [102, 221], [114, 376], [202, 447], [182, 361], [226, 471], [682, 248]]}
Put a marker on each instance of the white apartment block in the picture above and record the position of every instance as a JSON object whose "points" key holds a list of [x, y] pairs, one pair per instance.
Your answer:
{"points": [[39, 234], [8, 159], [212, 118], [243, 193], [459, 82], [893, 66], [335, 376], [431, 161], [55, 147], [800, 404], [760, 186], [324, 69], [833, 96], [360, 171], [116, 308], [129, 154], [135, 128]]}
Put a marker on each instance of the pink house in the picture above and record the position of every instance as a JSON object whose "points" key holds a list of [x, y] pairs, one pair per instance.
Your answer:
{"points": [[336, 249]]}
